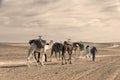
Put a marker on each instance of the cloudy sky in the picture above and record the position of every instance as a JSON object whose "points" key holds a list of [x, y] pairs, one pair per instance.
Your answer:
{"points": [[80, 20]]}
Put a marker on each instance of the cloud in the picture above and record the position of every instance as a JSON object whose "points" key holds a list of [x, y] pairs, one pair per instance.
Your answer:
{"points": [[86, 20]]}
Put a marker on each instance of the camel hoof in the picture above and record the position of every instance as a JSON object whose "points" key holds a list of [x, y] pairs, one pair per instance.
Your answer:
{"points": [[65, 62], [62, 63]]}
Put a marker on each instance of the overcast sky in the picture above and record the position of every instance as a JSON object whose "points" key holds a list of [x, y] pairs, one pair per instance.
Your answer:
{"points": [[80, 20]]}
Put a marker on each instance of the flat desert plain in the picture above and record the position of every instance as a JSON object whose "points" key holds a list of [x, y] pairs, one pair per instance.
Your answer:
{"points": [[13, 65]]}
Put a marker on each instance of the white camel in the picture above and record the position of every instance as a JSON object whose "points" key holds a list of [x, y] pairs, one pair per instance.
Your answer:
{"points": [[33, 48]]}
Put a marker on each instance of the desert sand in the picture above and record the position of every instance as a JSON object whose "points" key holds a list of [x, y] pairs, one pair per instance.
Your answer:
{"points": [[13, 65]]}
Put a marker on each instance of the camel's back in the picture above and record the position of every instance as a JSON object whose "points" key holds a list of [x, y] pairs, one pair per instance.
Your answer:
{"points": [[39, 43]]}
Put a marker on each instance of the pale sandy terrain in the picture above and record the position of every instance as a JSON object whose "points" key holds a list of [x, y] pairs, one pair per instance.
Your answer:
{"points": [[13, 65]]}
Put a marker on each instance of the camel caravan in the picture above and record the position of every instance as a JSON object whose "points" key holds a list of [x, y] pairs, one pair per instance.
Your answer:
{"points": [[38, 48]]}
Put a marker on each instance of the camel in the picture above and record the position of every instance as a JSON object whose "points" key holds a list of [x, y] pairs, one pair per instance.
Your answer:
{"points": [[56, 48], [66, 48], [40, 48]]}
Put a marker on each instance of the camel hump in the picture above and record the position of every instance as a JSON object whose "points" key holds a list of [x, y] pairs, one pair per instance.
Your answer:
{"points": [[68, 43], [31, 41], [38, 42]]}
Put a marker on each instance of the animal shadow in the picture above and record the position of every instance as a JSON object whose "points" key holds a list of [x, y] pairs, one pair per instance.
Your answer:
{"points": [[13, 66]]}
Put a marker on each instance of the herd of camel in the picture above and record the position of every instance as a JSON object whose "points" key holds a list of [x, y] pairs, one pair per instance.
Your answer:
{"points": [[40, 47]]}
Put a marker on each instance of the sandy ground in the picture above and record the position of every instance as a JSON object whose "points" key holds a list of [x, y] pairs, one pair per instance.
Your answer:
{"points": [[13, 65]]}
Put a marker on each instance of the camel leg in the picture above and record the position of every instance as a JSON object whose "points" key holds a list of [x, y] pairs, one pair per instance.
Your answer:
{"points": [[42, 60], [31, 52], [38, 57], [29, 56], [35, 55], [34, 59], [63, 54], [63, 57], [70, 57], [51, 56], [45, 57], [28, 60], [56, 55], [59, 55]]}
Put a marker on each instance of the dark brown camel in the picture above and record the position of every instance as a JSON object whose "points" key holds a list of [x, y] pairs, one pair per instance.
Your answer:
{"points": [[56, 48], [67, 48]]}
